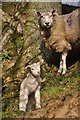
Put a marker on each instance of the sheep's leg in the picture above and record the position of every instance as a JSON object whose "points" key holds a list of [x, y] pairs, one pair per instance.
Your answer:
{"points": [[23, 99], [37, 97], [61, 66], [64, 55]]}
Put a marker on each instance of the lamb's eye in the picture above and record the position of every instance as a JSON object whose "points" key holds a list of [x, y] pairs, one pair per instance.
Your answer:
{"points": [[32, 69], [41, 16], [50, 15]]}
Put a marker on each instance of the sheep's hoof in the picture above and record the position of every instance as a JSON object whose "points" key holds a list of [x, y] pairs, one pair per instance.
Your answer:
{"points": [[59, 71], [64, 72]]}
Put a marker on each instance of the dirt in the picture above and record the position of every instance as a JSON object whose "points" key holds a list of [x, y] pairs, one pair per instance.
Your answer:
{"points": [[57, 107]]}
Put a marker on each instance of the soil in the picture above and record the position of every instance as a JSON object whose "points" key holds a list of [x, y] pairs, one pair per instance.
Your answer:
{"points": [[57, 107]]}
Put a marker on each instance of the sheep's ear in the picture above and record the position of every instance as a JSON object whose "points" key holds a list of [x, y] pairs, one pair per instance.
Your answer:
{"points": [[41, 61], [38, 14], [54, 12]]}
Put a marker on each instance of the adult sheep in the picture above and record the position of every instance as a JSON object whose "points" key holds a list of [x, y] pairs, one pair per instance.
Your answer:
{"points": [[61, 33]]}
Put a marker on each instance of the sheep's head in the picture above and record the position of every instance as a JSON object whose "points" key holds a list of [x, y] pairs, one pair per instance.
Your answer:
{"points": [[34, 69], [46, 19]]}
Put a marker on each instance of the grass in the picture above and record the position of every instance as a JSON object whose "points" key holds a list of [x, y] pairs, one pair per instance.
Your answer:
{"points": [[60, 85], [0, 113], [12, 114], [54, 86]]}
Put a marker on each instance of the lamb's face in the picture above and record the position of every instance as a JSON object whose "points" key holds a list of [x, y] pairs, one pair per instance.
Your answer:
{"points": [[34, 69], [45, 19]]}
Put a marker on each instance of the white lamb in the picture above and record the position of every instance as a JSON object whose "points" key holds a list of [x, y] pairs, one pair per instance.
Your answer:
{"points": [[30, 87]]}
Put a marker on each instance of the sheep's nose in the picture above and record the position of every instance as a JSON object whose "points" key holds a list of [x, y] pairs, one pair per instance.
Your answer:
{"points": [[47, 23]]}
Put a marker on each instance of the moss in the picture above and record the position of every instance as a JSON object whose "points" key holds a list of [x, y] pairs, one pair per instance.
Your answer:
{"points": [[61, 85], [7, 7]]}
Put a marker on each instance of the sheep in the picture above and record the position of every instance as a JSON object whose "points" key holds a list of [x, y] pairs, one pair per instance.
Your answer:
{"points": [[30, 87], [60, 33]]}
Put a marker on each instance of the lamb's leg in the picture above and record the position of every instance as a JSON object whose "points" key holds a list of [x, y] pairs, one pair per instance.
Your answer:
{"points": [[37, 97], [30, 101], [64, 55], [23, 99], [61, 65]]}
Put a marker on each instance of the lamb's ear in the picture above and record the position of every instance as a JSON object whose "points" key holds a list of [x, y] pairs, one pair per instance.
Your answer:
{"points": [[38, 63], [54, 12], [38, 14], [28, 67], [41, 62]]}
